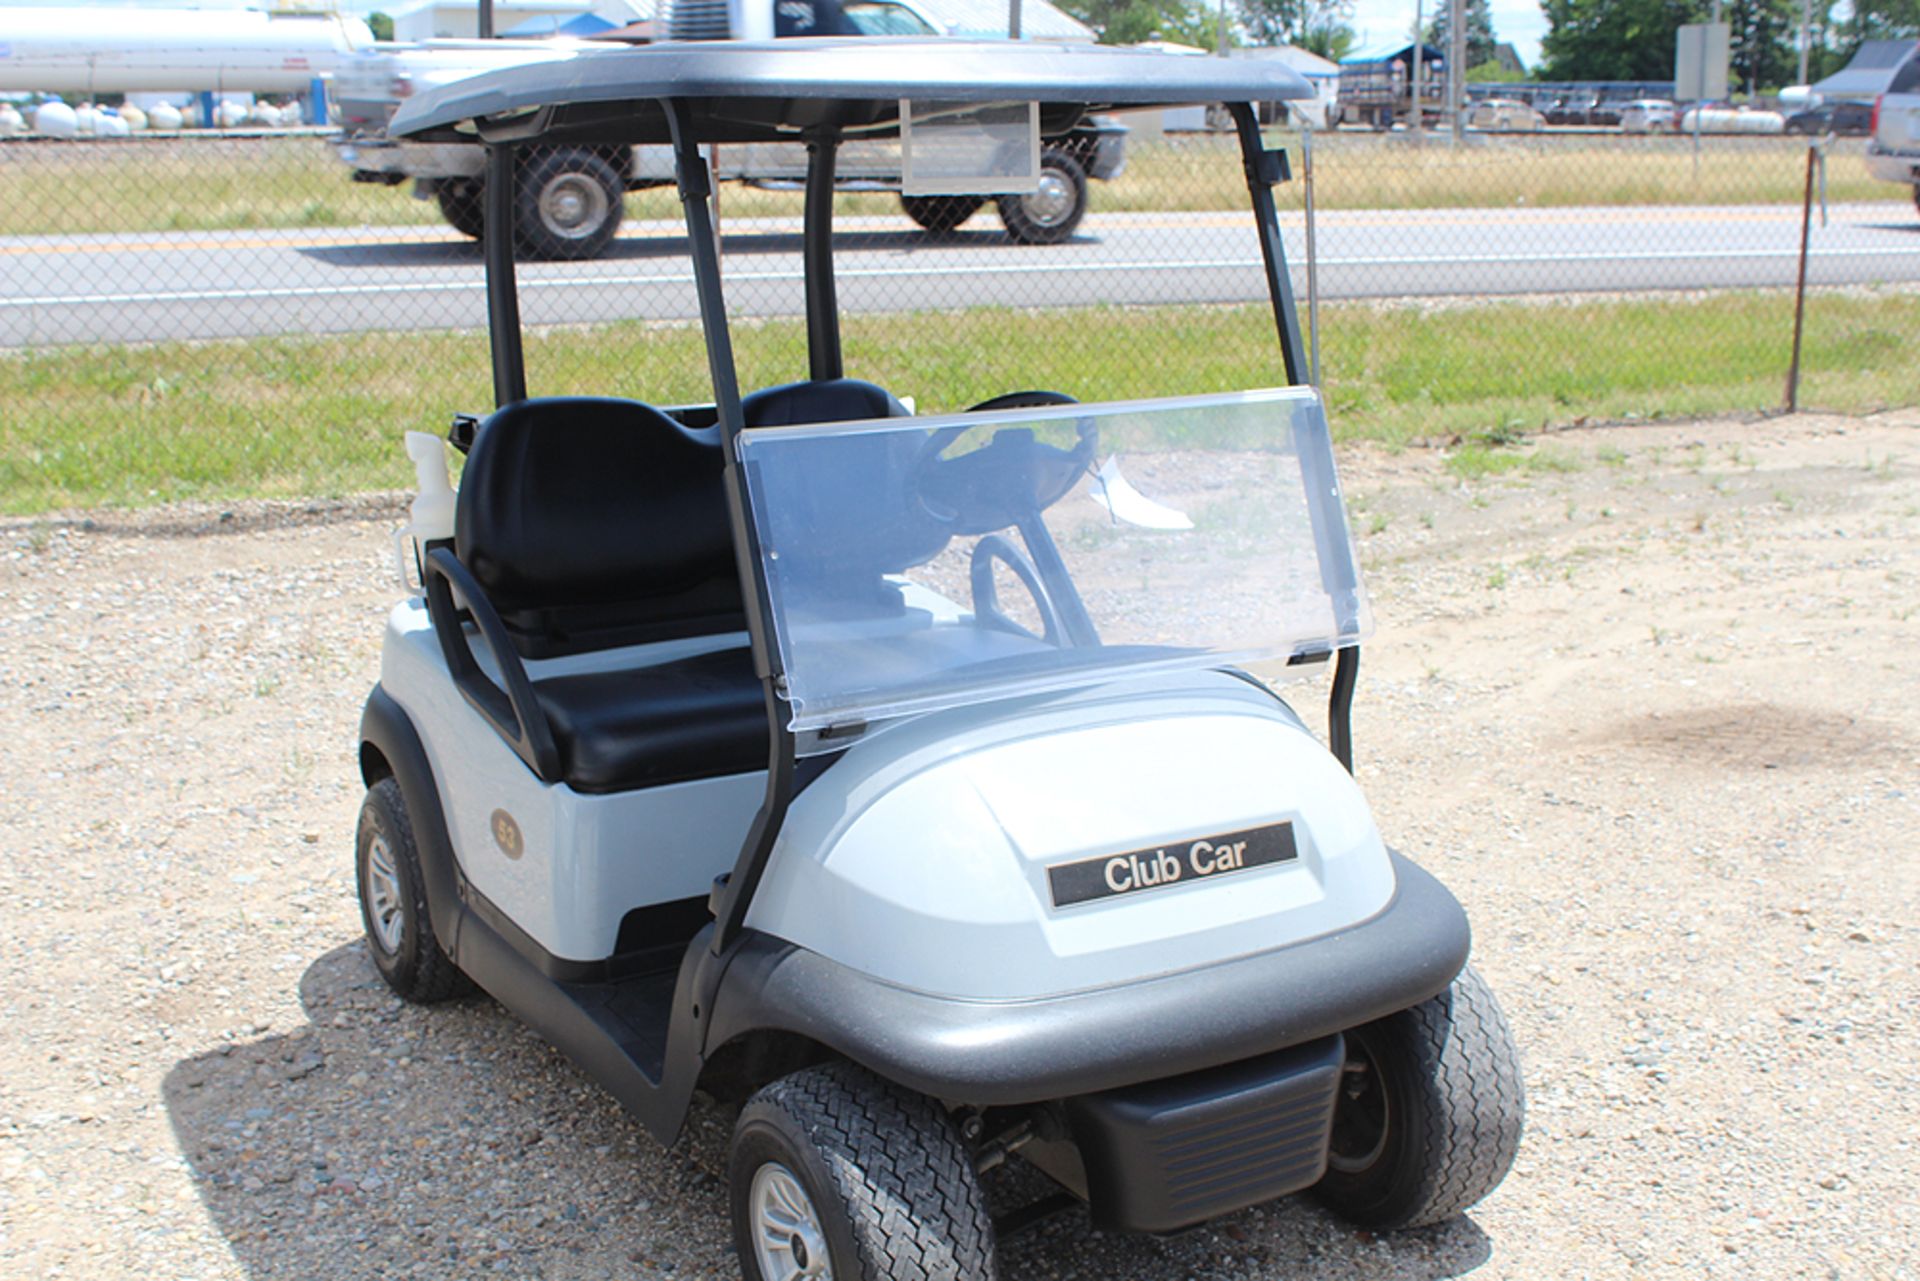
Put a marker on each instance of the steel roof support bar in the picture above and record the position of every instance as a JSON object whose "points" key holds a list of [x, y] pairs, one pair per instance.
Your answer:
{"points": [[1264, 169], [823, 304], [503, 295], [733, 892]]}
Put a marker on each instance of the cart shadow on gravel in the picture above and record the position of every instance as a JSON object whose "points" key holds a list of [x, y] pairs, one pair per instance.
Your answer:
{"points": [[382, 1139], [466, 253]]}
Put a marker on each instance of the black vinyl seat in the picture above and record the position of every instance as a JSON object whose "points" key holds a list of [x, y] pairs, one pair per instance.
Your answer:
{"points": [[697, 717], [585, 524]]}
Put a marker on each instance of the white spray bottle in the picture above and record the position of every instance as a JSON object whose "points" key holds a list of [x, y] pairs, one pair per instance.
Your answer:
{"points": [[430, 517]]}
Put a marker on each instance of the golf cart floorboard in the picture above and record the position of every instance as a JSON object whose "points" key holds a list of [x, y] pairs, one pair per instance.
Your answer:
{"points": [[633, 1012]]}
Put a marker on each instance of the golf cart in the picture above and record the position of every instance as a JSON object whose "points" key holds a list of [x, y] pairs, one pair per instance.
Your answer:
{"points": [[917, 782]]}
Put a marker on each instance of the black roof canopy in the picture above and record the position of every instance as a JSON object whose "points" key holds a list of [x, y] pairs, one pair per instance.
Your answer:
{"points": [[739, 91]]}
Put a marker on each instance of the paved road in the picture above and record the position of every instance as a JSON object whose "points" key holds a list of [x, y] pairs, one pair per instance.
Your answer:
{"points": [[218, 284]]}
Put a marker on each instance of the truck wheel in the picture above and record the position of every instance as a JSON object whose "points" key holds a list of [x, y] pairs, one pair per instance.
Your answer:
{"points": [[835, 1172], [462, 205], [393, 903], [1049, 215], [941, 214], [1430, 1111], [568, 205]]}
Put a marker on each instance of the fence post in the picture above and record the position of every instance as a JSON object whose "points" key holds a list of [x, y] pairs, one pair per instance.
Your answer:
{"points": [[1800, 289]]}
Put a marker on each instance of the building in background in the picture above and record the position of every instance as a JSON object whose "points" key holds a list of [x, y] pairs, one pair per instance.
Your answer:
{"points": [[460, 19]]}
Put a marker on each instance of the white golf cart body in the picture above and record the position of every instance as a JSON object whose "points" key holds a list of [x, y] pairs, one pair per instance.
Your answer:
{"points": [[796, 727]]}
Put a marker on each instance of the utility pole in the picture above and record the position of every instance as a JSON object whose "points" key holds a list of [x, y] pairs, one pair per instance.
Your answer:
{"points": [[486, 19], [1806, 36], [1457, 66], [1419, 47], [1013, 19]]}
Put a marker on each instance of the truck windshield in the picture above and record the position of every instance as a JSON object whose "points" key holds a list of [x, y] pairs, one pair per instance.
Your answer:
{"points": [[914, 564]]}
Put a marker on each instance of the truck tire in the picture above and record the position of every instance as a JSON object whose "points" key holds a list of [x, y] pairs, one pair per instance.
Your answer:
{"points": [[463, 206], [834, 1170], [568, 205], [1051, 214], [941, 214], [393, 903], [1430, 1112]]}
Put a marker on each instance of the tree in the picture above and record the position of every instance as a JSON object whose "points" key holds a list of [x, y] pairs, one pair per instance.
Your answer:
{"points": [[1480, 38], [381, 24], [1614, 39], [1765, 54], [1332, 39], [1134, 21], [1881, 20], [1272, 22]]}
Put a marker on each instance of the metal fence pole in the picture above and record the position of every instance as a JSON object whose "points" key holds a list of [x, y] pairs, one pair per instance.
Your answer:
{"points": [[1313, 257], [1800, 289]]}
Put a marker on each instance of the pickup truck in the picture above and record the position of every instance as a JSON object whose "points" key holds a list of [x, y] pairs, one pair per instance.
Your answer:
{"points": [[1894, 153], [569, 201]]}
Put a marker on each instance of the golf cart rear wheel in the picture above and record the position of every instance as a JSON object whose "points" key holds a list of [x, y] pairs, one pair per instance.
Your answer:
{"points": [[393, 903], [462, 205], [567, 206], [1430, 1111], [837, 1175], [941, 214], [1051, 214]]}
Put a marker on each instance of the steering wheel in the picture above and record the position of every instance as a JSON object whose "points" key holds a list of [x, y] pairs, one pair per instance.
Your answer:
{"points": [[979, 484], [986, 597]]}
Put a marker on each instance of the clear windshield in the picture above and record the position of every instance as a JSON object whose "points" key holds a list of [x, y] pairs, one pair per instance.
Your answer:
{"points": [[921, 563]]}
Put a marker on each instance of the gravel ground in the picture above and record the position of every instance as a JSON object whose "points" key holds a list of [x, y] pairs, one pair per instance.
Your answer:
{"points": [[1651, 706]]}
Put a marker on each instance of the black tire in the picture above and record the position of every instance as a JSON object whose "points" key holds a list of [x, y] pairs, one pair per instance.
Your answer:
{"points": [[941, 215], [399, 930], [1430, 1115], [1051, 214], [463, 208], [568, 205], [889, 1184]]}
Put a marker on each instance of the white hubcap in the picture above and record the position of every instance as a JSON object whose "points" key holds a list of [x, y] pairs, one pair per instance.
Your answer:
{"points": [[1050, 205], [383, 896], [787, 1240], [573, 205]]}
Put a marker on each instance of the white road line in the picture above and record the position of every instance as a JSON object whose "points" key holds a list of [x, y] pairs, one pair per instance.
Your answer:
{"points": [[972, 269]]}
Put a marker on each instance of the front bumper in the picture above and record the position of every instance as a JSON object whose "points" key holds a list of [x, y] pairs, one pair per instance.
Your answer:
{"points": [[995, 1053], [1893, 166], [411, 159]]}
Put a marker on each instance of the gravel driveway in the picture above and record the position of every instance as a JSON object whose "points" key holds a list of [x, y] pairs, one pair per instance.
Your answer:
{"points": [[1649, 703]]}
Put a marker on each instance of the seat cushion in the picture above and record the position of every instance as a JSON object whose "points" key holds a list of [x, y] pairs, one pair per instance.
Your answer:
{"points": [[692, 718]]}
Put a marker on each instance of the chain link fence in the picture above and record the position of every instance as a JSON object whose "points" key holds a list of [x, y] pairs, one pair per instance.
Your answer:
{"points": [[209, 315]]}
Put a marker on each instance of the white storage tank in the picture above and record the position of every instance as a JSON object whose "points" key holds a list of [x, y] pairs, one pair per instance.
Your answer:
{"points": [[56, 120], [123, 50]]}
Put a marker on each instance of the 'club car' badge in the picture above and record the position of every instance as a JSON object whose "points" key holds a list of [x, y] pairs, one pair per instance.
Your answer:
{"points": [[1170, 864]]}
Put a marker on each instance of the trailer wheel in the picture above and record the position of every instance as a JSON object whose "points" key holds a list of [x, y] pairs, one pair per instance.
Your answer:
{"points": [[463, 206], [1049, 215], [836, 1173], [941, 214], [568, 205], [393, 903], [1430, 1111]]}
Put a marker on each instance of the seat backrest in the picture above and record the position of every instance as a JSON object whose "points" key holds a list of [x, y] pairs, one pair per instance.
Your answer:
{"points": [[825, 400], [593, 523]]}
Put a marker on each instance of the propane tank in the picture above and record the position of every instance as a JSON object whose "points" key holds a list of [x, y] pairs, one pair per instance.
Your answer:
{"points": [[430, 516], [109, 124], [86, 119], [165, 117], [55, 120], [12, 125], [136, 119], [229, 115]]}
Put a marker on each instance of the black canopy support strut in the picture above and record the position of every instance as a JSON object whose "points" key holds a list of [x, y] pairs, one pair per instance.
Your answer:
{"points": [[823, 306], [503, 296], [1337, 573], [733, 892]]}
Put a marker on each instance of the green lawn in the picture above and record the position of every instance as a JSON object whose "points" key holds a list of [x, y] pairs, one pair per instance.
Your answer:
{"points": [[210, 183], [323, 415]]}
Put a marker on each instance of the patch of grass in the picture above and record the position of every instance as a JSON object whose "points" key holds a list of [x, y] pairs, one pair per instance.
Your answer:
{"points": [[323, 415], [209, 182], [1611, 455]]}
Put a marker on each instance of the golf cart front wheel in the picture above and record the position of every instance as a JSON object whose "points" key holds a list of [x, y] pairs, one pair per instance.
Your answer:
{"points": [[1052, 213], [393, 902], [837, 1175], [1430, 1111]]}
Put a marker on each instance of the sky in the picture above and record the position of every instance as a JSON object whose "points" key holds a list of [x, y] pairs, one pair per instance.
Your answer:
{"points": [[1374, 21]]}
